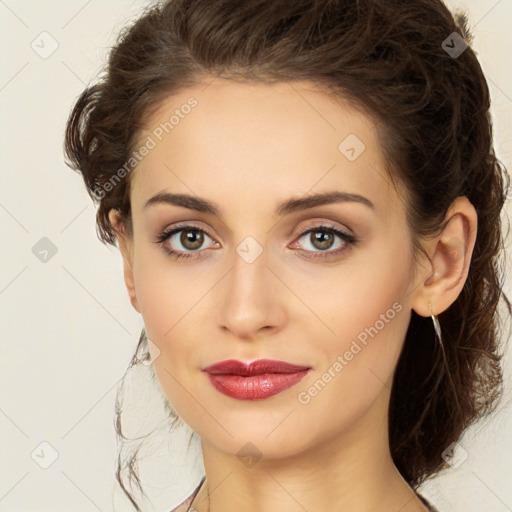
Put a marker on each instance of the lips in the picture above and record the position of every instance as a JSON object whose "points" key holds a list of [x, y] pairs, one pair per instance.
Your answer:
{"points": [[255, 381], [259, 367]]}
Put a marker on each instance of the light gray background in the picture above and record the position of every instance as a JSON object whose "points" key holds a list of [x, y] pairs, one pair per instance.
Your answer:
{"points": [[67, 328]]}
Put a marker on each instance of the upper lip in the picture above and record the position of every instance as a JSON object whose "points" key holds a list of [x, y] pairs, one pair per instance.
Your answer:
{"points": [[259, 367]]}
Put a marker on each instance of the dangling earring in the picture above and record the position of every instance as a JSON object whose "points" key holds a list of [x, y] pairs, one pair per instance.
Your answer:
{"points": [[437, 329]]}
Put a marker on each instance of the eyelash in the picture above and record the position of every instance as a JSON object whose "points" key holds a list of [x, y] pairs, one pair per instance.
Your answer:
{"points": [[350, 240]]}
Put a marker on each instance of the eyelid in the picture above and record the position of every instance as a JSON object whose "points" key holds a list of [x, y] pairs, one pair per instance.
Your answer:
{"points": [[183, 226], [323, 225]]}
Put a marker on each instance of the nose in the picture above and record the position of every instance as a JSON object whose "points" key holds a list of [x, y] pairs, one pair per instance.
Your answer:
{"points": [[250, 303]]}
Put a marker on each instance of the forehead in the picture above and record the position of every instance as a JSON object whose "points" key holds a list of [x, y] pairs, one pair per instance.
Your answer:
{"points": [[264, 141]]}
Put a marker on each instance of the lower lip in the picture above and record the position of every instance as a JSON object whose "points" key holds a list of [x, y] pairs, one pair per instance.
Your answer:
{"points": [[255, 387]]}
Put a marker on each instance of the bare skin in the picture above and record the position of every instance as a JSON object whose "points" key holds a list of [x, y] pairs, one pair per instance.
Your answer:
{"points": [[247, 148]]}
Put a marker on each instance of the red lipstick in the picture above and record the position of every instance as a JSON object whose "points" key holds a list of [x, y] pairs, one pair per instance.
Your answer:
{"points": [[260, 379]]}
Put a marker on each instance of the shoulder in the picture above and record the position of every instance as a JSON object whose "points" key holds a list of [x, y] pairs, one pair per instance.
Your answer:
{"points": [[185, 505], [424, 500]]}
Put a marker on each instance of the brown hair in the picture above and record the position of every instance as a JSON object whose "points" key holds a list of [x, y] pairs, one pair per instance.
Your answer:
{"points": [[387, 57]]}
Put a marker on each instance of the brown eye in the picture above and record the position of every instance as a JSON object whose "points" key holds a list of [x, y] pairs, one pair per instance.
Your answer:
{"points": [[192, 239], [322, 239], [185, 241], [324, 242]]}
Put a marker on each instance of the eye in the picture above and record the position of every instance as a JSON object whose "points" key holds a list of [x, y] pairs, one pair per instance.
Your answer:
{"points": [[185, 240], [181, 241], [322, 238]]}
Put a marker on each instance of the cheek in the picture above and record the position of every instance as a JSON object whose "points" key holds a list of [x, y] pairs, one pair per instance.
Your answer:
{"points": [[353, 382], [170, 297], [164, 302], [366, 289], [365, 304], [166, 292]]}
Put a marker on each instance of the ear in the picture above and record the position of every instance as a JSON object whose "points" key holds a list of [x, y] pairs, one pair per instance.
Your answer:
{"points": [[450, 256], [125, 243]]}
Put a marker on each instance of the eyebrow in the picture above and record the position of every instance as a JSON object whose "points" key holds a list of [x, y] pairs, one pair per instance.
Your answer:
{"points": [[289, 206]]}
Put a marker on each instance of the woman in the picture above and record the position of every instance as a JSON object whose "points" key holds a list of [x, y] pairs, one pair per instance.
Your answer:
{"points": [[307, 202]]}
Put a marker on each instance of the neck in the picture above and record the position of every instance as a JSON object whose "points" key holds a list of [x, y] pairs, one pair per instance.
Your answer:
{"points": [[345, 472]]}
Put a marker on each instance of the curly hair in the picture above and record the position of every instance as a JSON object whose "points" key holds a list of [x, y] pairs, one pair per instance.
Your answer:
{"points": [[388, 58]]}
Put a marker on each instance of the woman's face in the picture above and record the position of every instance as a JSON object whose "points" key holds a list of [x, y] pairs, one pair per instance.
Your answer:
{"points": [[249, 286]]}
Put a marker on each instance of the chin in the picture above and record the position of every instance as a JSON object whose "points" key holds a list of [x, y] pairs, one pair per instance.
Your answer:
{"points": [[255, 442]]}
